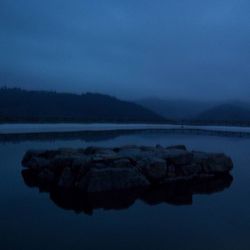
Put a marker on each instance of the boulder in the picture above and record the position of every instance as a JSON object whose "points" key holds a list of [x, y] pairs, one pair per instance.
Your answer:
{"points": [[58, 163], [182, 147], [154, 168], [122, 163], [36, 163], [79, 162], [92, 150], [213, 163], [97, 169], [46, 177], [110, 179], [191, 169], [67, 178], [178, 157], [147, 148], [134, 153]]}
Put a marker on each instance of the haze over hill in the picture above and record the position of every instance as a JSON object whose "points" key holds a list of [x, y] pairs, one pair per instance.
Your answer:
{"points": [[18, 105], [174, 49], [198, 111], [175, 109], [230, 112]]}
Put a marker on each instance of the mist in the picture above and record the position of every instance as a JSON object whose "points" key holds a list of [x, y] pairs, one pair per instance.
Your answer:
{"points": [[131, 49]]}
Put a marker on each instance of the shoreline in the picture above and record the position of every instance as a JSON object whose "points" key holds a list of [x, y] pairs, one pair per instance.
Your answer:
{"points": [[54, 128]]}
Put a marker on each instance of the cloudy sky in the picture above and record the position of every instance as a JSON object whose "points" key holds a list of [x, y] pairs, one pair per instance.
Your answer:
{"points": [[132, 49]]}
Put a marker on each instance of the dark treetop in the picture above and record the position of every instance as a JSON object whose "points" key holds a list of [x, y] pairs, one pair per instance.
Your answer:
{"points": [[18, 105]]}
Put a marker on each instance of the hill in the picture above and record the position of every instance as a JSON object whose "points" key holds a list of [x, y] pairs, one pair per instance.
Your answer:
{"points": [[230, 112], [18, 105], [175, 109]]}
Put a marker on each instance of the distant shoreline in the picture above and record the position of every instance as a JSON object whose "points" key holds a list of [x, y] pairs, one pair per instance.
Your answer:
{"points": [[169, 122], [22, 128], [75, 128]]}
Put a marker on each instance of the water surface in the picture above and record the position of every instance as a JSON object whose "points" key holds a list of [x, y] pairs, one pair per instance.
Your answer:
{"points": [[31, 220], [28, 128]]}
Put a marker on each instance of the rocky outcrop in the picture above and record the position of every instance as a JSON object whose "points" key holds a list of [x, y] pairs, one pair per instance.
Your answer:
{"points": [[95, 169]]}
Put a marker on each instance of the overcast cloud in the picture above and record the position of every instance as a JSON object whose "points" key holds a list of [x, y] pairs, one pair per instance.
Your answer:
{"points": [[190, 49]]}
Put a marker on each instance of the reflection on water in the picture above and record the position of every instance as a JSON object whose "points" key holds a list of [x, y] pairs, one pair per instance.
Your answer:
{"points": [[29, 220], [176, 193], [95, 136]]}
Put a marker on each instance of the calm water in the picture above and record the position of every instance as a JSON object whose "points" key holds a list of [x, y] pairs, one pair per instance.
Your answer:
{"points": [[71, 127], [29, 219]]}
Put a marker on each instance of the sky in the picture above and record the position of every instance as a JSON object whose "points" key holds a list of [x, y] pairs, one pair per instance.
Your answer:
{"points": [[171, 49]]}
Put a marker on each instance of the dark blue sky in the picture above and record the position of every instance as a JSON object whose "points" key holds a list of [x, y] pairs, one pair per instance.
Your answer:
{"points": [[190, 49]]}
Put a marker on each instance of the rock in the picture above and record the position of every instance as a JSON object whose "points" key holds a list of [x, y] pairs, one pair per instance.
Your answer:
{"points": [[191, 169], [154, 169], [213, 163], [131, 146], [109, 179], [46, 177], [68, 151], [130, 153], [30, 154], [122, 163], [178, 157], [147, 148], [104, 157], [47, 154], [79, 162], [39, 155], [36, 163], [67, 178], [171, 171], [97, 169], [60, 162], [91, 150], [182, 147], [220, 163]]}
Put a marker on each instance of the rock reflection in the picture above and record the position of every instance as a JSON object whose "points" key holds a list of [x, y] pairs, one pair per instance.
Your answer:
{"points": [[176, 193]]}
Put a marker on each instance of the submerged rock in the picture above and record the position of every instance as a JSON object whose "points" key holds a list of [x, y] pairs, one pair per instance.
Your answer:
{"points": [[96, 170]]}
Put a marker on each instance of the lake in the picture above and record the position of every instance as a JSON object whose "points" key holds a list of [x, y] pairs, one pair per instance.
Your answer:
{"points": [[32, 220]]}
